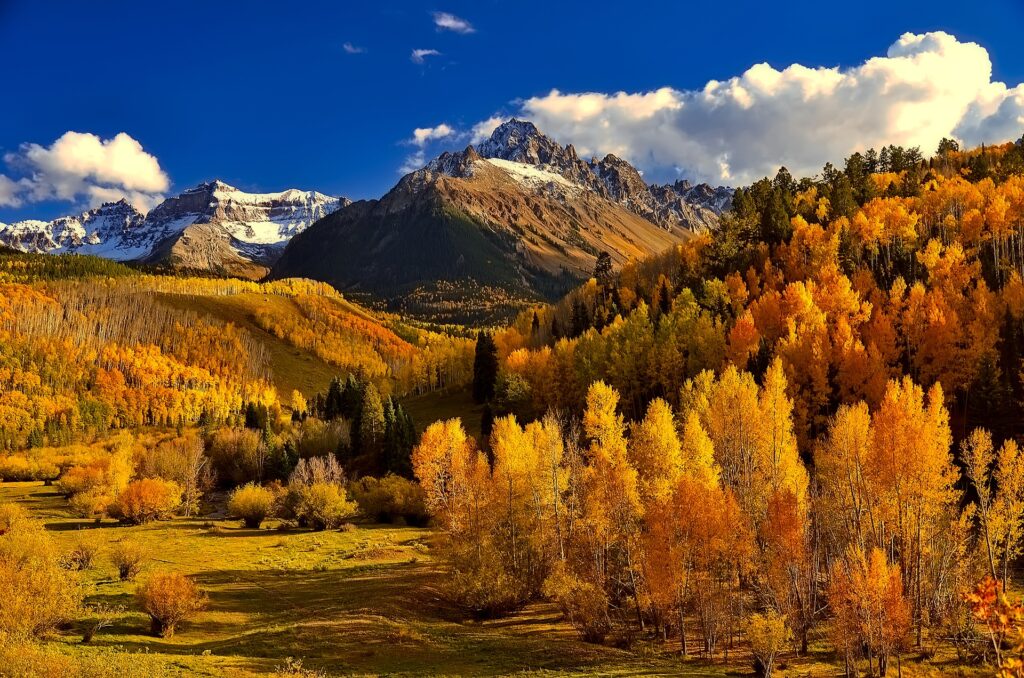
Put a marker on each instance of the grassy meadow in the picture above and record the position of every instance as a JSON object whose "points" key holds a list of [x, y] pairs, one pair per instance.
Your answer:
{"points": [[364, 601]]}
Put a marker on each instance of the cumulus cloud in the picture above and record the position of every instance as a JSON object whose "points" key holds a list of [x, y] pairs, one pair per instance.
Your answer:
{"points": [[413, 162], [422, 135], [449, 22], [737, 130], [83, 167], [419, 56], [9, 192], [352, 49], [482, 130]]}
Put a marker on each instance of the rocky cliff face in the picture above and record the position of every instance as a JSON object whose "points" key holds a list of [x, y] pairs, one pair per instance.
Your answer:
{"points": [[241, 232], [678, 205], [484, 231]]}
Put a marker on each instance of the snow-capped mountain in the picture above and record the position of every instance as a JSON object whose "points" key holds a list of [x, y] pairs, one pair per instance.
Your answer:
{"points": [[238, 227], [482, 232], [111, 230], [680, 205]]}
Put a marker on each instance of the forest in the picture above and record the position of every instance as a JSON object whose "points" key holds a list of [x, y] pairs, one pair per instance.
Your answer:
{"points": [[789, 446]]}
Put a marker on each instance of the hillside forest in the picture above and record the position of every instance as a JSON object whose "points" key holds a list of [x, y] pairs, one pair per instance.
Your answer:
{"points": [[790, 444]]}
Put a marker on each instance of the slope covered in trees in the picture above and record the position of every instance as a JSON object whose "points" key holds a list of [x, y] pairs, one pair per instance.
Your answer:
{"points": [[88, 346], [801, 426]]}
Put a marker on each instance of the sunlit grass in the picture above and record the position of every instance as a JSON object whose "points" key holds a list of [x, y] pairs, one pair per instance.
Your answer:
{"points": [[368, 601]]}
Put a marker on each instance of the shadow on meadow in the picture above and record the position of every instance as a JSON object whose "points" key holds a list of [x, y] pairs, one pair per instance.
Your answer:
{"points": [[374, 618]]}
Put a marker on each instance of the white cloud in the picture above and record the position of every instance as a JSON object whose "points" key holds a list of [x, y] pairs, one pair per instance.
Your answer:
{"points": [[413, 162], [482, 130], [449, 22], [83, 167], [422, 135], [418, 56], [9, 191], [353, 49], [738, 130]]}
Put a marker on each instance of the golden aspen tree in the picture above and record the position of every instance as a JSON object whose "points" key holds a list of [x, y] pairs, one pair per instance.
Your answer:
{"points": [[611, 499], [780, 463], [848, 500], [870, 613], [655, 451], [913, 469]]}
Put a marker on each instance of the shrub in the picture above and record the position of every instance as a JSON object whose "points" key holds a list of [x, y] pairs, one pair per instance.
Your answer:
{"points": [[102, 473], [170, 598], [582, 603], [38, 595], [181, 459], [145, 500], [317, 470], [251, 504], [129, 557], [11, 515], [238, 455], [768, 635], [323, 506], [390, 499], [89, 504], [82, 555]]}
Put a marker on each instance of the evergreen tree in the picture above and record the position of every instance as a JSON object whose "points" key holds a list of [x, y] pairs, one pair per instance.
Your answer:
{"points": [[580, 318], [603, 270], [351, 397], [485, 367], [333, 401], [371, 421]]}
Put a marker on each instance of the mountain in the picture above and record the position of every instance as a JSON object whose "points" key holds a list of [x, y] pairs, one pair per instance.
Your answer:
{"points": [[478, 234], [213, 227]]}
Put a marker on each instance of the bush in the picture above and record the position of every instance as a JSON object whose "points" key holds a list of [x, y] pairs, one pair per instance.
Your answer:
{"points": [[238, 455], [323, 506], [251, 504], [38, 595], [317, 470], [82, 555], [89, 504], [390, 499], [145, 500], [11, 515], [582, 603], [768, 635], [170, 598], [129, 557]]}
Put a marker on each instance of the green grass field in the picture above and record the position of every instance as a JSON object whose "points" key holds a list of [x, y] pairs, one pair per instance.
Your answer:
{"points": [[361, 602], [368, 601]]}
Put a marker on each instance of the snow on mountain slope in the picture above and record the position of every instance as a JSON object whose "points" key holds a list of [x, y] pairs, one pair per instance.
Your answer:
{"points": [[516, 144], [529, 175], [255, 225]]}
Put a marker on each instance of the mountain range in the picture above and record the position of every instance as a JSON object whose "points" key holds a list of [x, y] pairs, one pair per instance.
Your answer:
{"points": [[474, 234], [480, 232], [213, 228]]}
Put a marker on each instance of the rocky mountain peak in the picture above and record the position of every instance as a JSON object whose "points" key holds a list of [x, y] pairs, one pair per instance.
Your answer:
{"points": [[521, 141]]}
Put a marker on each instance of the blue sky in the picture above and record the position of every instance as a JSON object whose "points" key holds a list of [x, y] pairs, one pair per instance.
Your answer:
{"points": [[265, 96]]}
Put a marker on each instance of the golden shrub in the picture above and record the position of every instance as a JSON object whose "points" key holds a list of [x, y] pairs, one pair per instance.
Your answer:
{"points": [[38, 595], [251, 504], [129, 557], [10, 516], [170, 598], [145, 500], [324, 506]]}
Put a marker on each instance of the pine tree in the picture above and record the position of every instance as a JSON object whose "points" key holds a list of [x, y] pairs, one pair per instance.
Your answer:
{"points": [[485, 368], [332, 403], [371, 421]]}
